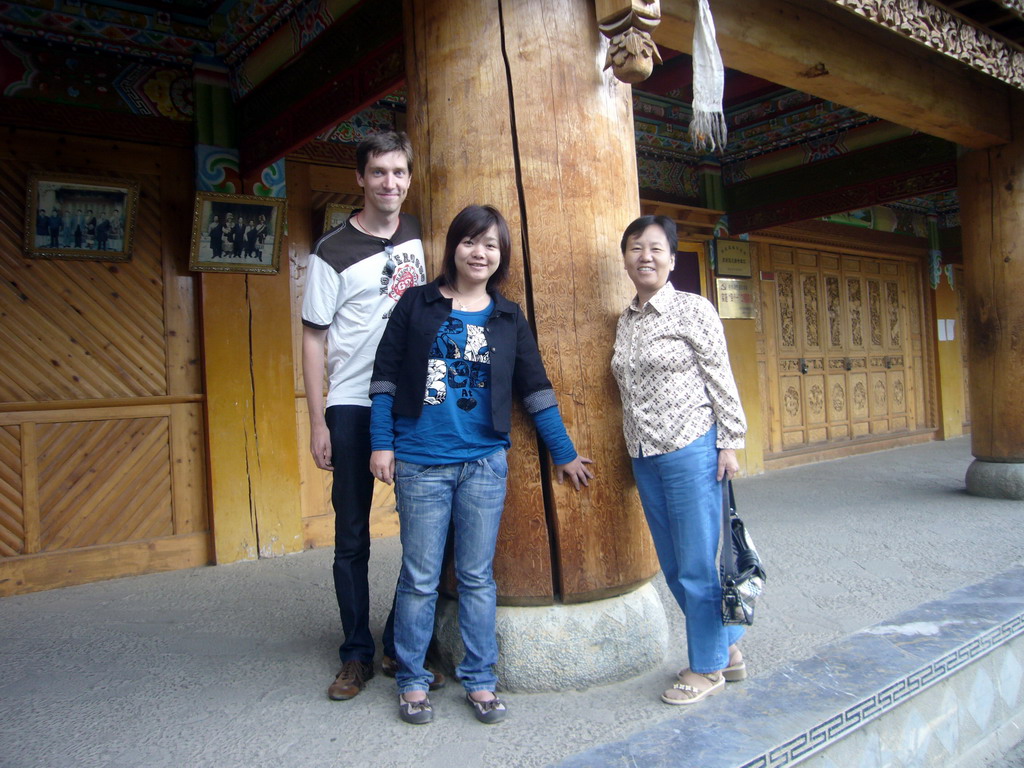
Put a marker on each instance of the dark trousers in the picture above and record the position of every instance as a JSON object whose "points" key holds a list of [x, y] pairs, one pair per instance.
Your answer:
{"points": [[352, 496]]}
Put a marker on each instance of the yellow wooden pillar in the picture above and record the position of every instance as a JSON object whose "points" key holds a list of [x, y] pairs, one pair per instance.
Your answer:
{"points": [[741, 338], [250, 410], [509, 106], [992, 214], [949, 360]]}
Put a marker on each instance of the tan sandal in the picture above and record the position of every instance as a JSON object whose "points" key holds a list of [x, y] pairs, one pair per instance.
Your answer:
{"points": [[684, 693], [736, 671]]}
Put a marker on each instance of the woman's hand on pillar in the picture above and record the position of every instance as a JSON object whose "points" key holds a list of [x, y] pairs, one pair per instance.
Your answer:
{"points": [[576, 470]]}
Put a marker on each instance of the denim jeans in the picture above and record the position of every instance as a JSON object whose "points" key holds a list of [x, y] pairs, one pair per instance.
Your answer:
{"points": [[352, 495], [471, 495], [682, 501]]}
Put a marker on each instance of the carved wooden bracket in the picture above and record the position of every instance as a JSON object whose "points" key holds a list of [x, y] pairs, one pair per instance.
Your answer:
{"points": [[632, 53]]}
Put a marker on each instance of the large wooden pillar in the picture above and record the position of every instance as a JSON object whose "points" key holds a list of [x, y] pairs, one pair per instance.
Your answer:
{"points": [[992, 211], [508, 105]]}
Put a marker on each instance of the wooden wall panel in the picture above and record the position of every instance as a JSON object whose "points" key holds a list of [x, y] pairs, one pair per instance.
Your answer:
{"points": [[12, 522], [104, 481], [101, 412], [83, 329]]}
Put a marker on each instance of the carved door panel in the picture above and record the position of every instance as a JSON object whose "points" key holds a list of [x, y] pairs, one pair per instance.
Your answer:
{"points": [[788, 352], [856, 346], [837, 359], [801, 371], [840, 348], [815, 415], [886, 359]]}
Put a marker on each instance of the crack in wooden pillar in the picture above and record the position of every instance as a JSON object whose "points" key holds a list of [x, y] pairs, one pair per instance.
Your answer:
{"points": [[508, 105]]}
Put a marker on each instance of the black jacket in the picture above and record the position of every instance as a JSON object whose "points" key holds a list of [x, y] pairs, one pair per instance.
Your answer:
{"points": [[400, 368]]}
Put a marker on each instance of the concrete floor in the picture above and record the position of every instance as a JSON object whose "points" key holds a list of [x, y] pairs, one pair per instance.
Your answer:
{"points": [[228, 666]]}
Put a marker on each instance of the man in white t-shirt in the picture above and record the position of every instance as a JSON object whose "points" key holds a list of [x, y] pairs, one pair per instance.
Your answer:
{"points": [[356, 274]]}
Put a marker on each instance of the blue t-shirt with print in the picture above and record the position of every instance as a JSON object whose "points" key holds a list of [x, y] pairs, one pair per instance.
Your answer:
{"points": [[455, 424]]}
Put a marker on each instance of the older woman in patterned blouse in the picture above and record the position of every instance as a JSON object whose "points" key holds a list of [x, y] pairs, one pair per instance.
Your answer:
{"points": [[683, 422]]}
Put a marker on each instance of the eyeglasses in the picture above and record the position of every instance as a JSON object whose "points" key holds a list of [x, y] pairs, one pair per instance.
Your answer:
{"points": [[389, 248]]}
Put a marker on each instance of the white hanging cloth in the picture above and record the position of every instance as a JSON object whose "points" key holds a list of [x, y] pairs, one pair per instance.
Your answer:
{"points": [[707, 128]]}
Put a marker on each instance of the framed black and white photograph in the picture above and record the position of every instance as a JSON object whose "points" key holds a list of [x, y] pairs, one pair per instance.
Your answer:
{"points": [[237, 233], [79, 217]]}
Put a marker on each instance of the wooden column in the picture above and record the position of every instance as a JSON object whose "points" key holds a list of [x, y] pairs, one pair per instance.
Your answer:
{"points": [[253, 447], [509, 106], [992, 210], [949, 362], [741, 338]]}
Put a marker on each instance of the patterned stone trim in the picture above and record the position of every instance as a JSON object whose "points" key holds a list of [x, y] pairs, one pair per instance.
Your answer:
{"points": [[890, 697], [946, 33]]}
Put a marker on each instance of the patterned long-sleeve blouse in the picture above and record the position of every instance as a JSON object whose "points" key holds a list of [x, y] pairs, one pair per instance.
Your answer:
{"points": [[672, 367]]}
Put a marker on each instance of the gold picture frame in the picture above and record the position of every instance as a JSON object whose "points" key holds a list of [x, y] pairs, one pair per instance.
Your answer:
{"points": [[71, 216], [336, 213], [257, 233]]}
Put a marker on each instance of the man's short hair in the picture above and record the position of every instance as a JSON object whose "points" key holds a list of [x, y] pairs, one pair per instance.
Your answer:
{"points": [[380, 144]]}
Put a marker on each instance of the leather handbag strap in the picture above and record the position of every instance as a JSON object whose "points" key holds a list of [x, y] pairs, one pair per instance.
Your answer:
{"points": [[728, 509]]}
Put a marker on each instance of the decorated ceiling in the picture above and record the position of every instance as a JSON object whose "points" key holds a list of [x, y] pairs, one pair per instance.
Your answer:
{"points": [[143, 58]]}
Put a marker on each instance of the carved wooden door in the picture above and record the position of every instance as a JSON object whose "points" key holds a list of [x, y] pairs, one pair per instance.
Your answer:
{"points": [[841, 348]]}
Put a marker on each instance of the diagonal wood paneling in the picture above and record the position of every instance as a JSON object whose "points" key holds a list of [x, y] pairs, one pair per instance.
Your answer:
{"points": [[80, 329], [103, 482], [106, 474], [12, 521]]}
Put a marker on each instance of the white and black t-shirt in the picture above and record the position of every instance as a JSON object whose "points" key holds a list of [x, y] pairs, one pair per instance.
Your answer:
{"points": [[353, 281]]}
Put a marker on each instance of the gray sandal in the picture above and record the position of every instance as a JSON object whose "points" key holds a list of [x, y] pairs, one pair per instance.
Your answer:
{"points": [[415, 712], [488, 712]]}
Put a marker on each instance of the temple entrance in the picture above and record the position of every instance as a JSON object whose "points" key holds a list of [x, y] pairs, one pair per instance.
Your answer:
{"points": [[844, 348]]}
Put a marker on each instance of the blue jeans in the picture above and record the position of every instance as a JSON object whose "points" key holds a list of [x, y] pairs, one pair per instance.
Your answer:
{"points": [[682, 501], [352, 496], [470, 495]]}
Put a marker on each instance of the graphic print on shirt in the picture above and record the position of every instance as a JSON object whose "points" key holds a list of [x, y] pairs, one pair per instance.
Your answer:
{"points": [[436, 389], [400, 273], [459, 362]]}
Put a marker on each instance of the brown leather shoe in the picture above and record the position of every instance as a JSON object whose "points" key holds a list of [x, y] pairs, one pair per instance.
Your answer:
{"points": [[389, 667], [350, 680]]}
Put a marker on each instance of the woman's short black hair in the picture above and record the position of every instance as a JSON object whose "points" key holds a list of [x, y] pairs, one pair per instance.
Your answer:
{"points": [[473, 221], [639, 225]]}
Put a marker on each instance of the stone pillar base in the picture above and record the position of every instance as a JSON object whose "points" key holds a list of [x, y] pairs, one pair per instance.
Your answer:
{"points": [[996, 480], [566, 647]]}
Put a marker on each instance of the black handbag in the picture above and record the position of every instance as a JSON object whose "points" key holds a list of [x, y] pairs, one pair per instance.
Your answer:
{"points": [[743, 576]]}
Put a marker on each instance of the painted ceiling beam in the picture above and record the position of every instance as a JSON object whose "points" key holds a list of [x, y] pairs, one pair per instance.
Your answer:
{"points": [[818, 48], [910, 167], [352, 64]]}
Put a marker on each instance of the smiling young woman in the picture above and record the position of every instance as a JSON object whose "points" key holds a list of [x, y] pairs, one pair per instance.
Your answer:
{"points": [[445, 446]]}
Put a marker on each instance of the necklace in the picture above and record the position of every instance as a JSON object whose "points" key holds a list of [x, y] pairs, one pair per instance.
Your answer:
{"points": [[464, 306], [366, 229]]}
